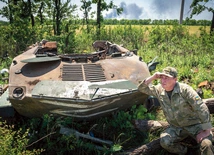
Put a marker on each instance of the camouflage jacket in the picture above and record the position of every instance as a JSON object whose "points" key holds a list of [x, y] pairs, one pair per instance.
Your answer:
{"points": [[184, 109]]}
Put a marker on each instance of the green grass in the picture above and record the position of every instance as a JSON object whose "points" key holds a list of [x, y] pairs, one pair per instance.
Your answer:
{"points": [[188, 48]]}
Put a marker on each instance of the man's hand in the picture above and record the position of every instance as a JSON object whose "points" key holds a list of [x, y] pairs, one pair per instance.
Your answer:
{"points": [[156, 75], [202, 134]]}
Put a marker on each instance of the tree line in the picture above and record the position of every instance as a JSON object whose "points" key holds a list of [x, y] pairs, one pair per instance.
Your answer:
{"points": [[187, 21], [191, 22], [32, 20]]}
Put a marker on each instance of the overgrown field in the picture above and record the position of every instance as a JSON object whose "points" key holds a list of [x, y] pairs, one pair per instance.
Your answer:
{"points": [[189, 49]]}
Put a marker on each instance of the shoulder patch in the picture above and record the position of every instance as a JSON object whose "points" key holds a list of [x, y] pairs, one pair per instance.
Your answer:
{"points": [[197, 98]]}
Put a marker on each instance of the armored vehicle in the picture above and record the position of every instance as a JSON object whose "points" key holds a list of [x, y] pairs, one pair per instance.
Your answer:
{"points": [[82, 86]]}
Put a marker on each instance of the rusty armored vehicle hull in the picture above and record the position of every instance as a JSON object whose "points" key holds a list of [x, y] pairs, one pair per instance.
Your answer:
{"points": [[82, 86]]}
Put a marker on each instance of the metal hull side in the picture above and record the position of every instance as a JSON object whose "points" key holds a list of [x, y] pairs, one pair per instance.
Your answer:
{"points": [[6, 109], [82, 90], [78, 109]]}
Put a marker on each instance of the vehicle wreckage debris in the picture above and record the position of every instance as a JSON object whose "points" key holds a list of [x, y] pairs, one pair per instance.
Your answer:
{"points": [[69, 131], [80, 85]]}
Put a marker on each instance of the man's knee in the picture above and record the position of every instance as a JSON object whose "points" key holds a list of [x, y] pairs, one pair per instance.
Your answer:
{"points": [[165, 140], [168, 144]]}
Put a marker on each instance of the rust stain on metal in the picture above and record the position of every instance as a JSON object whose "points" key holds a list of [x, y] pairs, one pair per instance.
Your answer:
{"points": [[33, 82]]}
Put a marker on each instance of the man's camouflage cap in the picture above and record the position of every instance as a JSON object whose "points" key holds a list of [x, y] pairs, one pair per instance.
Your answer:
{"points": [[170, 72]]}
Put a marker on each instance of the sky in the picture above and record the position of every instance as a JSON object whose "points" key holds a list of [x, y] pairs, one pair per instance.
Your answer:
{"points": [[148, 9]]}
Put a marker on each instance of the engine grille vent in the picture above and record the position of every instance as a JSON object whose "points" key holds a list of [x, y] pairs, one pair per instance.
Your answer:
{"points": [[83, 72]]}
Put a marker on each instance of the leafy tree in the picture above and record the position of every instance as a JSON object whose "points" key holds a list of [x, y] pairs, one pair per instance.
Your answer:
{"points": [[22, 9], [101, 6], [27, 10], [19, 34], [9, 10], [199, 6], [41, 9], [86, 8], [60, 11], [18, 9]]}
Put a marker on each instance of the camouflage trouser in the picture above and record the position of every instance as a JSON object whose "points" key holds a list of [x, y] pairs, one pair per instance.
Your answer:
{"points": [[171, 141]]}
